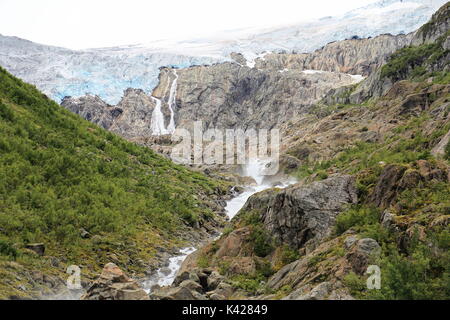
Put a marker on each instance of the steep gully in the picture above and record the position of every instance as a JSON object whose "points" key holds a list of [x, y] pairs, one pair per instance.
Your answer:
{"points": [[255, 169], [275, 82]]}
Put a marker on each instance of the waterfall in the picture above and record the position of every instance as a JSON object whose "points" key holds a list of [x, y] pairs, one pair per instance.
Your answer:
{"points": [[256, 169], [172, 103], [157, 123], [165, 275]]}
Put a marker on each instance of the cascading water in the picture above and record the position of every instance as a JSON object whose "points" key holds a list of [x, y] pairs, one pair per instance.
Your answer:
{"points": [[157, 123], [255, 169], [165, 276], [172, 103]]}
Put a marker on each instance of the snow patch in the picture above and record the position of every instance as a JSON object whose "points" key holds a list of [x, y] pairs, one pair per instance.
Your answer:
{"points": [[357, 78], [251, 57], [312, 71]]}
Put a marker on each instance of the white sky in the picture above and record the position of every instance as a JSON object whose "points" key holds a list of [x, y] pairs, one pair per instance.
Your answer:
{"points": [[78, 24]]}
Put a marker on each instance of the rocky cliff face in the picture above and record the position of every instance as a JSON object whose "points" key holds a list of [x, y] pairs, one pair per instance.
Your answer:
{"points": [[93, 108], [435, 28], [278, 88], [232, 96], [355, 56], [434, 33], [224, 95], [130, 118], [302, 216]]}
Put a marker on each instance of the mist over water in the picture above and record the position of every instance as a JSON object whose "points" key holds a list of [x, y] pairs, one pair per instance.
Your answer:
{"points": [[254, 169]]}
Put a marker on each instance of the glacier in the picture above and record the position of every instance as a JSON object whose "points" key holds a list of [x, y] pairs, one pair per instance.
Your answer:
{"points": [[107, 72]]}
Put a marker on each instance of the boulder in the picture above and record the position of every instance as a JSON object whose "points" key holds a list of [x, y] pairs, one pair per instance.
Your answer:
{"points": [[387, 187], [300, 214], [177, 293], [224, 289], [39, 248], [216, 296], [213, 280], [84, 233], [114, 284], [192, 285], [232, 244], [350, 241], [388, 220], [439, 148], [359, 257], [319, 292]]}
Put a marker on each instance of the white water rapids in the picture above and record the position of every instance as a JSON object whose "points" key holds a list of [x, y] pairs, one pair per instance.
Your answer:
{"points": [[255, 169]]}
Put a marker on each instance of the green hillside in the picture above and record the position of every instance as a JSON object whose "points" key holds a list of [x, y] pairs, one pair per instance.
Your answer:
{"points": [[60, 174]]}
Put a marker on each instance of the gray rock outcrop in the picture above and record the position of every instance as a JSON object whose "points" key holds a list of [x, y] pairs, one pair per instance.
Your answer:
{"points": [[114, 284], [131, 118], [355, 56], [303, 215]]}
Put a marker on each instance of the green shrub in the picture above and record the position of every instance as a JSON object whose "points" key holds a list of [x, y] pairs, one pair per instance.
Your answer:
{"points": [[409, 61], [289, 255], [264, 268], [262, 243], [247, 283], [422, 274], [447, 151], [322, 175], [356, 216], [203, 261], [7, 249], [60, 173], [355, 283]]}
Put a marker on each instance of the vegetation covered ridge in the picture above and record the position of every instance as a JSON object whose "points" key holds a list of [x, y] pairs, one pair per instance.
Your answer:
{"points": [[88, 195]]}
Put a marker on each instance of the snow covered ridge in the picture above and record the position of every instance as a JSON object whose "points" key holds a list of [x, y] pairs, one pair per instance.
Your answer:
{"points": [[107, 72]]}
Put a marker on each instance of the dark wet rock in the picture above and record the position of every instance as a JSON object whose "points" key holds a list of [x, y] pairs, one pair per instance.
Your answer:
{"points": [[386, 189], [39, 248]]}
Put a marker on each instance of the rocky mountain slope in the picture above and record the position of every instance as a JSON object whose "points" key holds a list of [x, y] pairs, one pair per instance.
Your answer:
{"points": [[231, 95], [374, 190], [371, 156], [108, 72]]}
